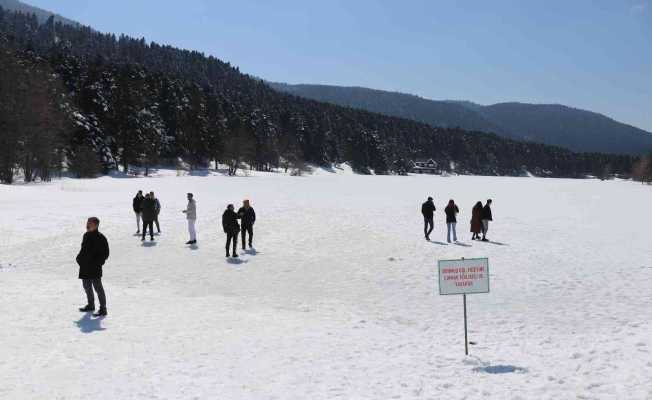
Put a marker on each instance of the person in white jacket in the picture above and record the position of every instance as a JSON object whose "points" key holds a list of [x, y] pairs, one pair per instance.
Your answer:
{"points": [[191, 216]]}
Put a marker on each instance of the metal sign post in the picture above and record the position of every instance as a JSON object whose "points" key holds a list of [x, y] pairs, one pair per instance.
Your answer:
{"points": [[464, 276], [466, 336]]}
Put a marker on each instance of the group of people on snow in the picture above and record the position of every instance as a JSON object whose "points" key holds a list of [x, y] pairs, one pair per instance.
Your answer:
{"points": [[147, 209], [95, 248], [247, 216], [480, 218]]}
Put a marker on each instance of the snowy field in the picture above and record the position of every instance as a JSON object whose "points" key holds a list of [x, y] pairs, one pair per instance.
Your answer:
{"points": [[340, 299]]}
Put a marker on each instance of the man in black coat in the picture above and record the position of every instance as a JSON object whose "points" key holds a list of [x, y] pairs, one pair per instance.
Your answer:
{"points": [[92, 256], [231, 228], [428, 209], [247, 214], [486, 217], [149, 215], [137, 204]]}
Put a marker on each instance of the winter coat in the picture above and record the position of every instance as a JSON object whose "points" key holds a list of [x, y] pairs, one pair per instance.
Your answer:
{"points": [[149, 210], [247, 215], [486, 213], [476, 219], [191, 210], [157, 208], [92, 256], [138, 203], [230, 222], [428, 209], [451, 213]]}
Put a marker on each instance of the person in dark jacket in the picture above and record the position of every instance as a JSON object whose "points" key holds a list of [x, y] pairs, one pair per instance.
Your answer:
{"points": [[92, 256], [451, 211], [486, 217], [149, 215], [428, 211], [476, 221], [157, 209], [247, 215], [138, 208], [231, 228]]}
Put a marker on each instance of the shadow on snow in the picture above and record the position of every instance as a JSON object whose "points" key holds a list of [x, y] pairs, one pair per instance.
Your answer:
{"points": [[88, 325], [501, 369], [236, 261]]}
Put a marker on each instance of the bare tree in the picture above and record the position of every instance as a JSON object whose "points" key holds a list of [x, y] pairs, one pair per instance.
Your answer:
{"points": [[239, 145]]}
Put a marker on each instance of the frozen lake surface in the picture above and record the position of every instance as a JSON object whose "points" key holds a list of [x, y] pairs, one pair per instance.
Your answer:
{"points": [[339, 299]]}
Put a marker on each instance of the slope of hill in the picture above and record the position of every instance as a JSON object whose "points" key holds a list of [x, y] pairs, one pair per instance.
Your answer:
{"points": [[42, 15], [558, 125], [134, 103], [436, 113], [575, 129]]}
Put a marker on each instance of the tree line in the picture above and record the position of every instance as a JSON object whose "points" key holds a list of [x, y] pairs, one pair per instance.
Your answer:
{"points": [[78, 99]]}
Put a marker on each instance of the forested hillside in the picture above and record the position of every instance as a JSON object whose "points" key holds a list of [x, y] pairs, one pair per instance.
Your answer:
{"points": [[553, 124], [124, 102]]}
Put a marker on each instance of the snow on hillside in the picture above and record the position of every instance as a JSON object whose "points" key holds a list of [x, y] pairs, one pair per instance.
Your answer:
{"points": [[340, 298]]}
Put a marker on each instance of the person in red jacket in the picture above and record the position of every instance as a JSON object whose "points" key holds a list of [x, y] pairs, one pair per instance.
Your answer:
{"points": [[476, 221]]}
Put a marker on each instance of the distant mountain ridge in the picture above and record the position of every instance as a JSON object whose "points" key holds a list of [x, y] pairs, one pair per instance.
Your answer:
{"points": [[42, 15], [553, 124]]}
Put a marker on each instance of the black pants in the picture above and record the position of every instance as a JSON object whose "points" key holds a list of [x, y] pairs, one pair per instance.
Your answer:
{"points": [[89, 284], [247, 229], [151, 229], [428, 226], [231, 236], [158, 227]]}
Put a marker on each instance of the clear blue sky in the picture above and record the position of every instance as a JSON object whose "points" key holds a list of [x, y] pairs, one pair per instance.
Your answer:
{"points": [[595, 54]]}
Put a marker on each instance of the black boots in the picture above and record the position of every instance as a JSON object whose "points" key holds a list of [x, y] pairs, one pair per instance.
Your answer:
{"points": [[101, 313]]}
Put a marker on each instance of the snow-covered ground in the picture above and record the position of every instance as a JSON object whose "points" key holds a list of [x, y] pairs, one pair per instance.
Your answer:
{"points": [[340, 299]]}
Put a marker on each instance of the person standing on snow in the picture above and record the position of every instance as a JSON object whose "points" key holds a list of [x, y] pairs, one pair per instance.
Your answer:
{"points": [[149, 215], [191, 216], [486, 217], [427, 210], [138, 208], [231, 228], [476, 221], [157, 209], [248, 216], [92, 256], [451, 211]]}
